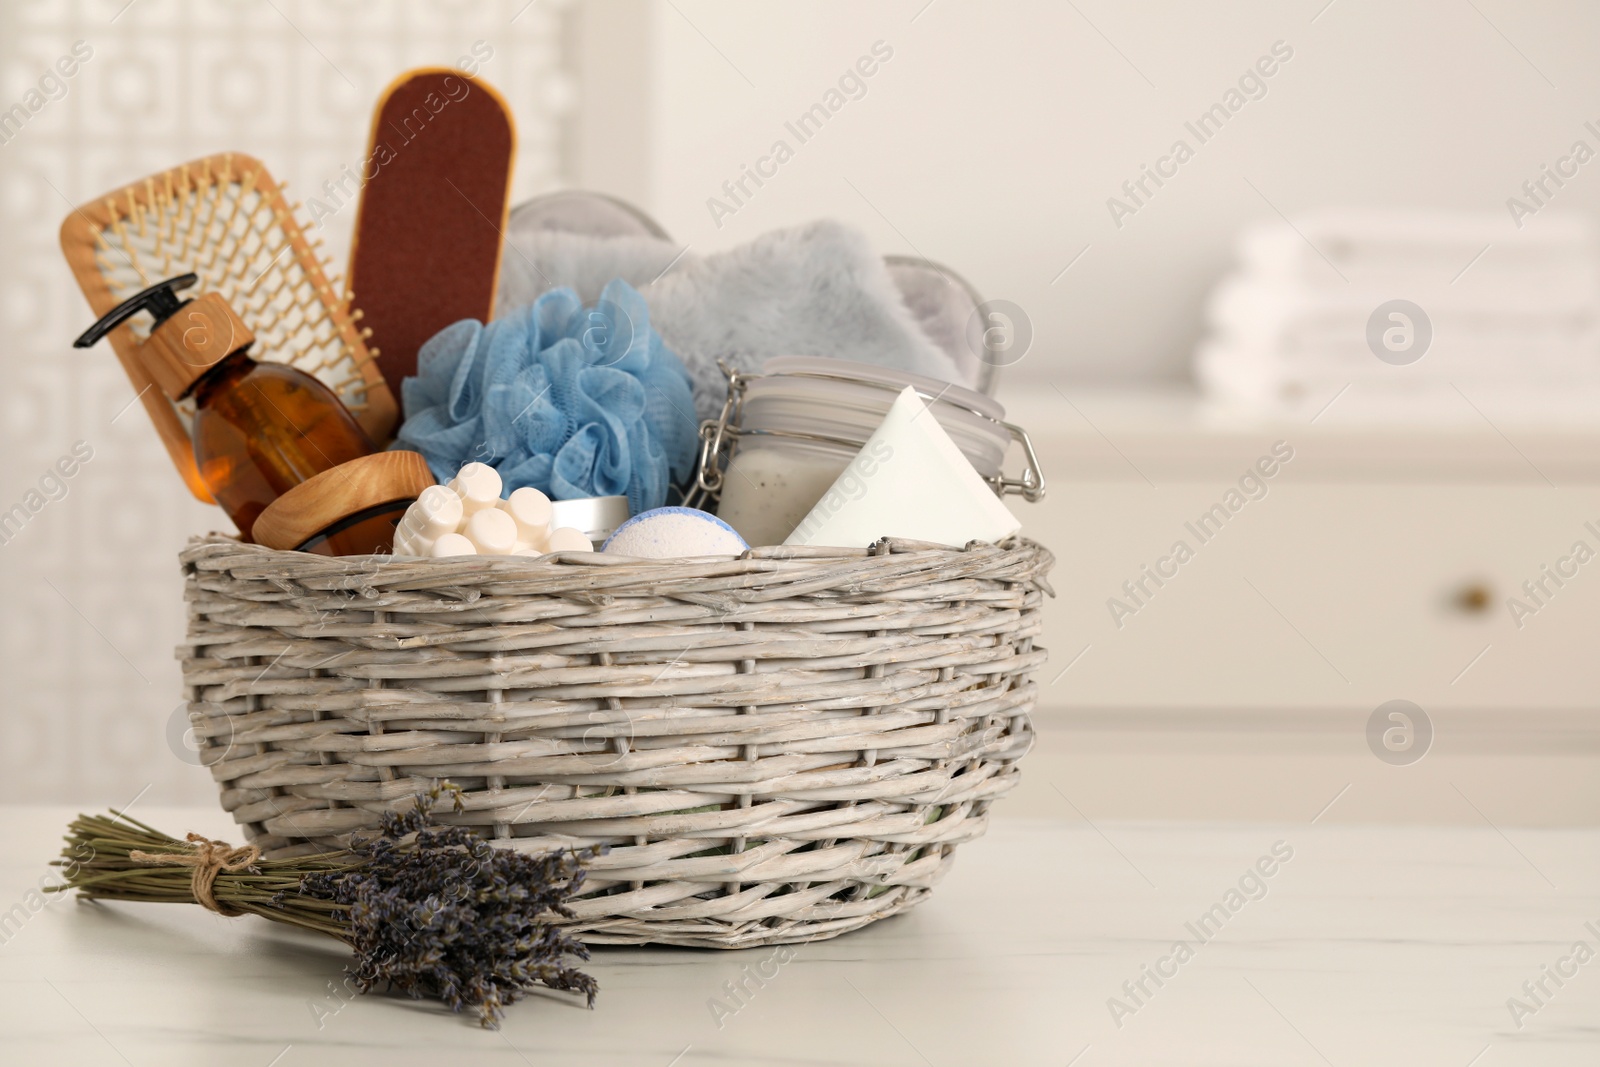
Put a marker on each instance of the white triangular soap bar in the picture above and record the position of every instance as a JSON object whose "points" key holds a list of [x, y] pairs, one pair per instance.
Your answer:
{"points": [[909, 480]]}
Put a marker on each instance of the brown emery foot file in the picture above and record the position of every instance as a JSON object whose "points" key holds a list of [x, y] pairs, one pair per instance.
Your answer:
{"points": [[437, 185]]}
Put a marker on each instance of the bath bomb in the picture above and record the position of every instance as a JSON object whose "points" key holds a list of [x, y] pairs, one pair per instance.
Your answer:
{"points": [[674, 533], [566, 539], [453, 544]]}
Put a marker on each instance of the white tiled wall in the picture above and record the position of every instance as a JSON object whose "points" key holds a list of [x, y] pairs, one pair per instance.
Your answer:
{"points": [[91, 608]]}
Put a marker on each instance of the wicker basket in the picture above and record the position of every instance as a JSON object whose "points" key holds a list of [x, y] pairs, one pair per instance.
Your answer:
{"points": [[777, 747]]}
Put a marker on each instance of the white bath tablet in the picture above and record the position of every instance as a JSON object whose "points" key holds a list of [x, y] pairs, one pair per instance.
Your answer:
{"points": [[453, 544], [492, 531], [479, 486], [422, 546], [436, 511], [525, 549], [674, 533], [402, 532], [531, 509], [566, 539], [412, 545]]}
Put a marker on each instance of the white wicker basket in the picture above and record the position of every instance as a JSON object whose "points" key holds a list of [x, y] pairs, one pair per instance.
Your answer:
{"points": [[776, 747]]}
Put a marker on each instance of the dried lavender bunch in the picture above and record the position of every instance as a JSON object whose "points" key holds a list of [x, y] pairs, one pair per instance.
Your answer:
{"points": [[448, 915], [429, 911]]}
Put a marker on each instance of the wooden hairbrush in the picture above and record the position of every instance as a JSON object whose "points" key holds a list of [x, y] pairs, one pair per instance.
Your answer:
{"points": [[428, 234], [224, 218]]}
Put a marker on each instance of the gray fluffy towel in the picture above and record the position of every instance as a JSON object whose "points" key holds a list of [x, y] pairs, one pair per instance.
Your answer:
{"points": [[813, 290]]}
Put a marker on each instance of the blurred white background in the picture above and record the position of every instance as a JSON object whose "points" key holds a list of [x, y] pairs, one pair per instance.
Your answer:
{"points": [[990, 139], [993, 138]]}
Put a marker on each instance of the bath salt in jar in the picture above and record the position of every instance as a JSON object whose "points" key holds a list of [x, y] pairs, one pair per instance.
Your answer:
{"points": [[786, 435]]}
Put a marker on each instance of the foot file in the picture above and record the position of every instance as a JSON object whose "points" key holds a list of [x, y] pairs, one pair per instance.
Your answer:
{"points": [[426, 251]]}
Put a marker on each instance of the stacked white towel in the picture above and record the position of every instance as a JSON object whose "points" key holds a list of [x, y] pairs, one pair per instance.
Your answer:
{"points": [[1513, 312]]}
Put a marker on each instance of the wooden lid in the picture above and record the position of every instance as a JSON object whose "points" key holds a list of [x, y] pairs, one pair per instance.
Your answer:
{"points": [[323, 499], [197, 337]]}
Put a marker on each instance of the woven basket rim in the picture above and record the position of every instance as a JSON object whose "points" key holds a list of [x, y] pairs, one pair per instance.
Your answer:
{"points": [[777, 567]]}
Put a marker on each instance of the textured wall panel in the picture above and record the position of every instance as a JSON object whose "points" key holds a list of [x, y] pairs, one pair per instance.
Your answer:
{"points": [[91, 589]]}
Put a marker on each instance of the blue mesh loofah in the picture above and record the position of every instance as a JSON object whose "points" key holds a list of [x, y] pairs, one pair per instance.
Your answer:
{"points": [[572, 401]]}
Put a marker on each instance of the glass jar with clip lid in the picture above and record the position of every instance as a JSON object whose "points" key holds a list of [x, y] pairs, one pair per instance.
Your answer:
{"points": [[786, 434]]}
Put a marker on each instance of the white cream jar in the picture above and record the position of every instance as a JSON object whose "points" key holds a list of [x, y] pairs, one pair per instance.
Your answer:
{"points": [[788, 433]]}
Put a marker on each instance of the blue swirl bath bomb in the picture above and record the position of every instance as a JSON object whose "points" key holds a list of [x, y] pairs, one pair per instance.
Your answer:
{"points": [[674, 533]]}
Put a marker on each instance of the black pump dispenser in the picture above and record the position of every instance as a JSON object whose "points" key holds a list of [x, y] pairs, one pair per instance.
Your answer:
{"points": [[160, 300]]}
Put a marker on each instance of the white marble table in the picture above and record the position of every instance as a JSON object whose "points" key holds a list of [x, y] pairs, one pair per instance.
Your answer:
{"points": [[1367, 946]]}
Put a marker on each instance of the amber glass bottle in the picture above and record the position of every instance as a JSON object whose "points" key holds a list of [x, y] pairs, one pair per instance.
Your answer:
{"points": [[260, 429]]}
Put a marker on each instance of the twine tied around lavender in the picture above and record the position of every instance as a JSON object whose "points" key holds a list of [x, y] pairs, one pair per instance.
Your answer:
{"points": [[209, 858], [430, 911]]}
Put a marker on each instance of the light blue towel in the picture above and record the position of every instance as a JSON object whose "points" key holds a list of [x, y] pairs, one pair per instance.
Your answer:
{"points": [[573, 401]]}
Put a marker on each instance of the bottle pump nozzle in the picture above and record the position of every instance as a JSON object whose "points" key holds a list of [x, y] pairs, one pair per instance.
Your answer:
{"points": [[180, 349], [160, 299]]}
